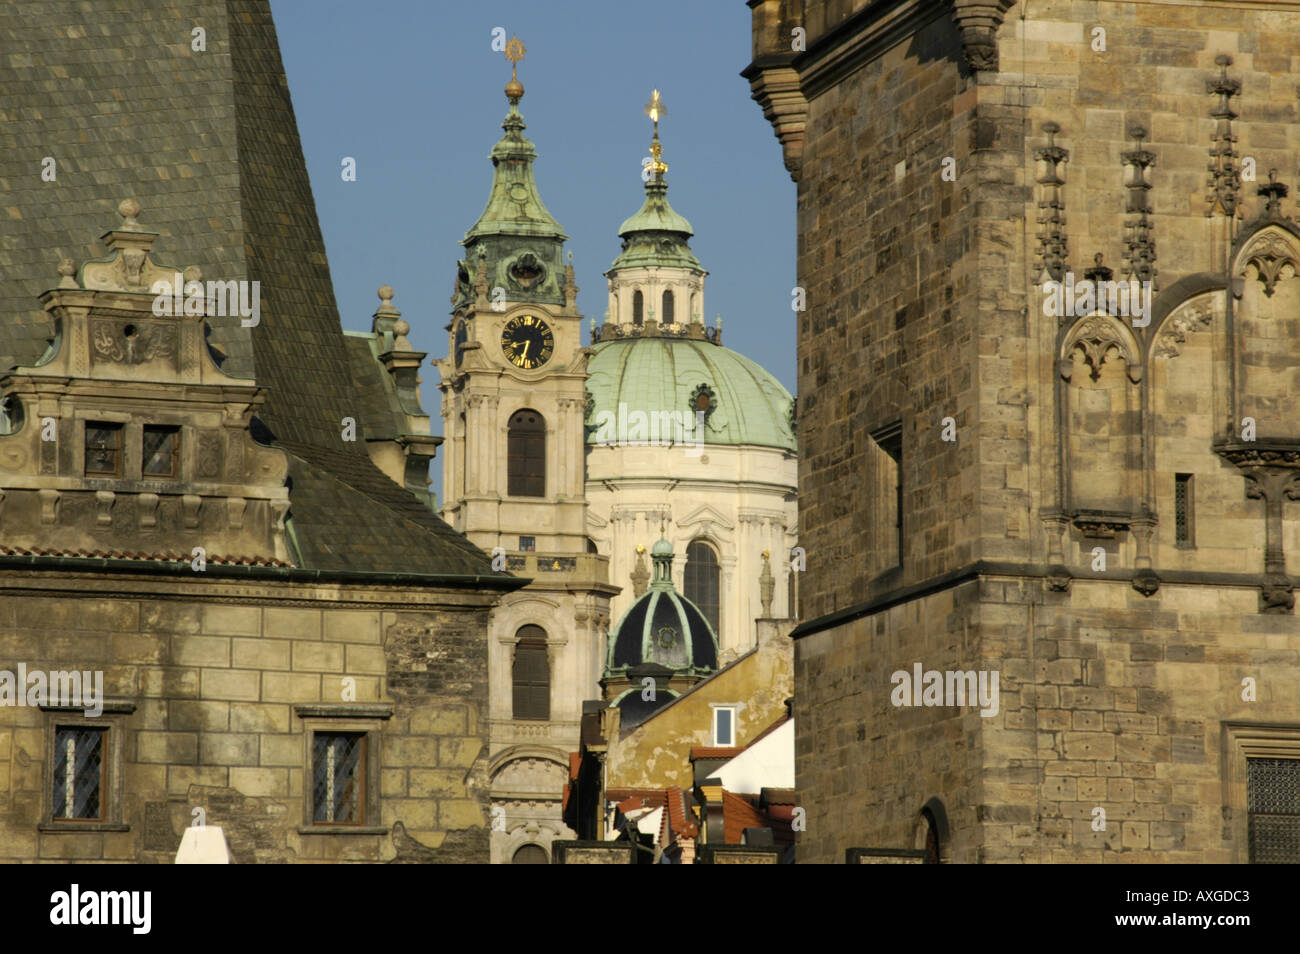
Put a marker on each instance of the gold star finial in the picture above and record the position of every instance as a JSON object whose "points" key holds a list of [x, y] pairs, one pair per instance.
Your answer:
{"points": [[514, 53], [656, 111]]}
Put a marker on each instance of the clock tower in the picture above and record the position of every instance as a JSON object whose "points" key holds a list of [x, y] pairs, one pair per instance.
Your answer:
{"points": [[514, 406]]}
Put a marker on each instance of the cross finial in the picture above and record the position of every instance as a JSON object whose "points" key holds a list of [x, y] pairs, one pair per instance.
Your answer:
{"points": [[656, 111]]}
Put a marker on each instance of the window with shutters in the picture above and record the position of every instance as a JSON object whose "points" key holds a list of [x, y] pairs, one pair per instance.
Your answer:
{"points": [[1273, 804], [701, 581], [531, 675], [526, 454]]}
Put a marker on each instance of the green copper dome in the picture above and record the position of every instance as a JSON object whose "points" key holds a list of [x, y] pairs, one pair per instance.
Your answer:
{"points": [[743, 403], [656, 235]]}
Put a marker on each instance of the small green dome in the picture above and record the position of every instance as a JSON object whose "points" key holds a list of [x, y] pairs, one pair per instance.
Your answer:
{"points": [[743, 403], [656, 236]]}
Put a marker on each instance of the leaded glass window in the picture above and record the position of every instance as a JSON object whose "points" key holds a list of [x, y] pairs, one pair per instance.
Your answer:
{"points": [[338, 775], [161, 451], [1273, 805], [103, 449], [79, 773]]}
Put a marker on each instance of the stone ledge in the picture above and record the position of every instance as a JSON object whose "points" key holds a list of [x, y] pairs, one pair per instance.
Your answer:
{"points": [[344, 710]]}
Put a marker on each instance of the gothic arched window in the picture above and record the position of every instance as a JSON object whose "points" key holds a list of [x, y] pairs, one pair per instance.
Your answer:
{"points": [[526, 455], [702, 576], [638, 306], [531, 675], [667, 316]]}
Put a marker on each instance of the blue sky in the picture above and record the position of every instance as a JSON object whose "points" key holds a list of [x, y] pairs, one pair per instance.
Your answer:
{"points": [[413, 91]]}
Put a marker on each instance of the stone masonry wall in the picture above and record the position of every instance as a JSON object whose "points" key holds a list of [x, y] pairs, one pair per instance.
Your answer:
{"points": [[215, 685]]}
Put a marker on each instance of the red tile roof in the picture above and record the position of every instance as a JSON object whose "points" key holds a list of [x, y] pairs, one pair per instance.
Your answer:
{"points": [[715, 752], [738, 813], [164, 557]]}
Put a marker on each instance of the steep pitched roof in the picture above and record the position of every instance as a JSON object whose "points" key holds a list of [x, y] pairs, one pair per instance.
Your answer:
{"points": [[208, 143]]}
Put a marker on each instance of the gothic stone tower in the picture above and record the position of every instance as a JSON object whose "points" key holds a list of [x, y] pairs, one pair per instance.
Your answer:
{"points": [[514, 396], [1092, 503]]}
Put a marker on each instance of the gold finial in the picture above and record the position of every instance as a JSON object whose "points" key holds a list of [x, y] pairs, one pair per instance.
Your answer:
{"points": [[655, 110], [514, 53]]}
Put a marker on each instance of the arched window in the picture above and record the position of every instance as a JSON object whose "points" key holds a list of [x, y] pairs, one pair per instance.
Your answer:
{"points": [[530, 855], [526, 457], [668, 308], [638, 305], [931, 838], [531, 675], [702, 580]]}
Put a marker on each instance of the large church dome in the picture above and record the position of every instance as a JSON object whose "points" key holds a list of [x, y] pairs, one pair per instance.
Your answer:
{"points": [[743, 403]]}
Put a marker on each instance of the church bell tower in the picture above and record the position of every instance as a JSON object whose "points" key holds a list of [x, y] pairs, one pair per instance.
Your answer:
{"points": [[514, 408]]}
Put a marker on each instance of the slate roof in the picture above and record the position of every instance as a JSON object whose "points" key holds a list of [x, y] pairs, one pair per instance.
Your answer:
{"points": [[208, 143]]}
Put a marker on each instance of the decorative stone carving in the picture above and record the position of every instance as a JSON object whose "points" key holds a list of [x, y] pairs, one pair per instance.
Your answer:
{"points": [[132, 342], [1139, 246], [146, 506], [1095, 336], [1224, 181], [1272, 258], [1175, 330], [190, 504], [1052, 241], [978, 22], [104, 507], [640, 574]]}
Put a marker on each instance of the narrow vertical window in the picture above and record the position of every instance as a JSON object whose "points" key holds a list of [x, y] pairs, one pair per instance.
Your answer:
{"points": [[79, 781], [701, 581], [1273, 806], [638, 305], [889, 443], [668, 308], [724, 726], [1183, 509], [532, 675], [338, 774], [526, 455]]}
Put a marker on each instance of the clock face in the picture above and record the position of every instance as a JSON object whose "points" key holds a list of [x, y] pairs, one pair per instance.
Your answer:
{"points": [[527, 342]]}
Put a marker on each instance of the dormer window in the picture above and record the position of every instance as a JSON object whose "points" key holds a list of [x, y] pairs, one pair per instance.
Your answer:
{"points": [[161, 452], [103, 449]]}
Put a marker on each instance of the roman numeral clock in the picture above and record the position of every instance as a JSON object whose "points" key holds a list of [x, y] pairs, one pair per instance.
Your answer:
{"points": [[527, 342]]}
